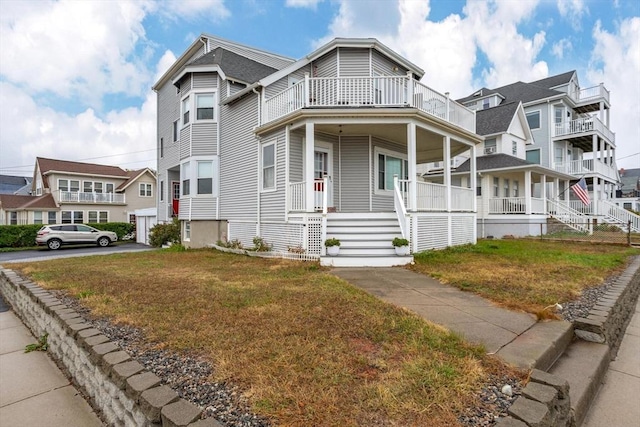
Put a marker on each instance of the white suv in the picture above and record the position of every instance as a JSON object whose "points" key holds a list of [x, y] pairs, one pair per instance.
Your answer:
{"points": [[56, 235]]}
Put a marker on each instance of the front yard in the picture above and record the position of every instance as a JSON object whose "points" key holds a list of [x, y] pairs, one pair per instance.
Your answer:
{"points": [[307, 348]]}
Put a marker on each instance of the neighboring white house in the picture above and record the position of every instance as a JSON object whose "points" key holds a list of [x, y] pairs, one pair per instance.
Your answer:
{"points": [[252, 143], [75, 192], [539, 138]]}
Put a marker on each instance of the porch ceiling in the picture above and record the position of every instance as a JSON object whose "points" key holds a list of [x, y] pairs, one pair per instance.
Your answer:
{"points": [[429, 145]]}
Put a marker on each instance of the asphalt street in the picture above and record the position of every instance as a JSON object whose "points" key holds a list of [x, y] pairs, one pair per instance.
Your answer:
{"points": [[69, 252]]}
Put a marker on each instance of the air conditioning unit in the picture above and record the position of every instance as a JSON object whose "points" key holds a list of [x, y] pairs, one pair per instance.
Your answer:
{"points": [[489, 150]]}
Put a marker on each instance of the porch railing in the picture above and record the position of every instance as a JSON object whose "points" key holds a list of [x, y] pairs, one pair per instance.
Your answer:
{"points": [[431, 197], [620, 215], [462, 199], [590, 94], [400, 207], [581, 207], [583, 125], [297, 197], [507, 205], [378, 91], [77, 197]]}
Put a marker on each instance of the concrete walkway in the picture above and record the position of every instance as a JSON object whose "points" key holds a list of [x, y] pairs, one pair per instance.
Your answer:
{"points": [[617, 402], [33, 391], [516, 337]]}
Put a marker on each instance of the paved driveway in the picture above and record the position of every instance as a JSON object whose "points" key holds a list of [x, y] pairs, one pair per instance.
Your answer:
{"points": [[69, 252]]}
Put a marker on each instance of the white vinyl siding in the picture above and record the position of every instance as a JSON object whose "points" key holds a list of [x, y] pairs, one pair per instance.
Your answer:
{"points": [[354, 155]]}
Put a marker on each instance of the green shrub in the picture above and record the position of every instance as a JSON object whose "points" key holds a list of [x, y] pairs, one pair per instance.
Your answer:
{"points": [[124, 230], [18, 236], [259, 245], [161, 234]]}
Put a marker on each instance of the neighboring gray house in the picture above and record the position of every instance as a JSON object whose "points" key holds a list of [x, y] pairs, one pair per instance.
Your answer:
{"points": [[255, 144], [18, 185], [567, 138]]}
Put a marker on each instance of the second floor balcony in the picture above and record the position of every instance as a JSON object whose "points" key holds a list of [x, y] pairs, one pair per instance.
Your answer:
{"points": [[378, 91], [583, 129], [97, 198], [580, 168], [588, 99]]}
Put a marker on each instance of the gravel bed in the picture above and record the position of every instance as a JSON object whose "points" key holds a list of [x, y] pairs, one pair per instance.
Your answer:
{"points": [[580, 307], [189, 376], [493, 403]]}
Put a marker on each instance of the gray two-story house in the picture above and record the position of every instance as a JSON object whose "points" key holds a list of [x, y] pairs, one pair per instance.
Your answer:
{"points": [[252, 143]]}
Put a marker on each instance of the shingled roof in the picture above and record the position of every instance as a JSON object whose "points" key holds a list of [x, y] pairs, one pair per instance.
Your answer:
{"points": [[495, 120], [18, 202], [235, 66], [52, 165], [555, 81], [495, 161]]}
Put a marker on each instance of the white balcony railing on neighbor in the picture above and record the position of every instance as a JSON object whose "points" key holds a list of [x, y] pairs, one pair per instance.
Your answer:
{"points": [[583, 125], [379, 91], [582, 167], [620, 215], [77, 197], [590, 94], [515, 205]]}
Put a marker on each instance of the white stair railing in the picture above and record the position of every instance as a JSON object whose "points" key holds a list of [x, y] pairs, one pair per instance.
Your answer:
{"points": [[620, 216], [570, 217], [401, 210]]}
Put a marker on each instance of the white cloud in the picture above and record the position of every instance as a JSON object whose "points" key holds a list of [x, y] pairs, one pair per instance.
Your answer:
{"points": [[192, 9], [573, 11], [615, 61], [310, 4], [74, 49], [560, 47]]}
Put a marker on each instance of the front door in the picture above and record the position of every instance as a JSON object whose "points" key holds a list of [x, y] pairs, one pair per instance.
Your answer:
{"points": [[175, 197], [321, 169]]}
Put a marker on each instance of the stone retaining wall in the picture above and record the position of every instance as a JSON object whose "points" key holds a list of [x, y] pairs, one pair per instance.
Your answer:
{"points": [[608, 319], [118, 387]]}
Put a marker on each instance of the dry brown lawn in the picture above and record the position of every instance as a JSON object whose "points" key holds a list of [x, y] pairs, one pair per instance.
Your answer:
{"points": [[306, 348]]}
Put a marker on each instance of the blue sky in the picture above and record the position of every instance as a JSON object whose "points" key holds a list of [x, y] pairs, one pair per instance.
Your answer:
{"points": [[76, 76]]}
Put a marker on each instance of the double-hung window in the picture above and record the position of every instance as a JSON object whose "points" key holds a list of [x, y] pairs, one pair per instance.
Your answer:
{"points": [[269, 166], [37, 217], [204, 106], [186, 107], [146, 189], [514, 148], [388, 166], [185, 172], [205, 177], [496, 187]]}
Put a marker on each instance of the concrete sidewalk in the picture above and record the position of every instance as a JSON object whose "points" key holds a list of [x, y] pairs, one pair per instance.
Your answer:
{"points": [[516, 337], [617, 401], [33, 391]]}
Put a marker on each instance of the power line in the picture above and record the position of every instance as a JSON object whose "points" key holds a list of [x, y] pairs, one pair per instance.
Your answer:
{"points": [[630, 155], [90, 158]]}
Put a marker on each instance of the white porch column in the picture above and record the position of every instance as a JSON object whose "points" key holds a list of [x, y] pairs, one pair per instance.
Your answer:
{"points": [[556, 188], [567, 191], [446, 149], [411, 159], [473, 182], [308, 167], [287, 188], [543, 192], [594, 146], [596, 191], [527, 192]]}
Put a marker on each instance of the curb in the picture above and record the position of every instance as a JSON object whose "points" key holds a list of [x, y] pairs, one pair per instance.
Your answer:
{"points": [[562, 396], [116, 386]]}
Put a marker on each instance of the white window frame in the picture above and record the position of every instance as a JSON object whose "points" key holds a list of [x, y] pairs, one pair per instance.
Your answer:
{"points": [[496, 186], [185, 179], [37, 217], [516, 188], [84, 186], [176, 131], [198, 177], [55, 217], [187, 231], [185, 108], [66, 186], [530, 113], [107, 185], [377, 151], [263, 168], [145, 189], [71, 181], [514, 148], [214, 113], [491, 146], [98, 217], [72, 218]]}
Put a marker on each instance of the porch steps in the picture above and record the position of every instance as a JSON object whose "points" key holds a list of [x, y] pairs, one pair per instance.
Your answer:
{"points": [[365, 240]]}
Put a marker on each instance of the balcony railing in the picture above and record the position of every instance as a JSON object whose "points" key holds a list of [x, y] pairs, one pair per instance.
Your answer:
{"points": [[433, 197], [77, 197], [590, 94], [583, 125], [588, 166], [388, 91]]}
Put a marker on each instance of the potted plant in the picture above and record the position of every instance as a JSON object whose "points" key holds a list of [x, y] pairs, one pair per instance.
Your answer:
{"points": [[401, 245], [333, 246]]}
